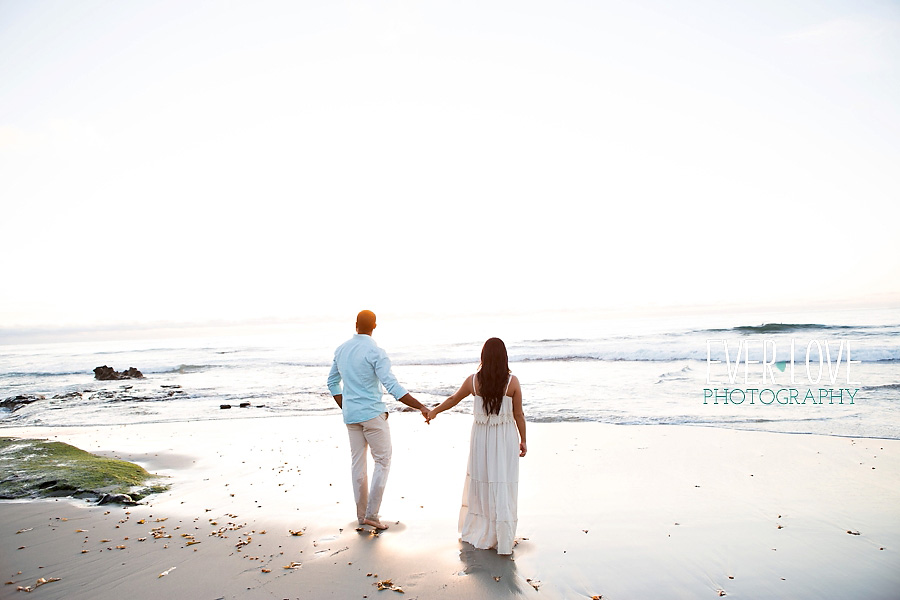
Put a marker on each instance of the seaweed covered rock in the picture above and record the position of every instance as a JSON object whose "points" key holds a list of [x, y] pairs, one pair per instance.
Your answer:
{"points": [[31, 468]]}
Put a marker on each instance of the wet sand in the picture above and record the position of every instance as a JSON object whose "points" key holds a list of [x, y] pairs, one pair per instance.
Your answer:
{"points": [[604, 510]]}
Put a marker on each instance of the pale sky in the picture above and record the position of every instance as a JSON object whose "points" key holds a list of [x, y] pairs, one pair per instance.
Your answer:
{"points": [[188, 160]]}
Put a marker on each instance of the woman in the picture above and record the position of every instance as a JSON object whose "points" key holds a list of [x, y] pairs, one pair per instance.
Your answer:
{"points": [[487, 518]]}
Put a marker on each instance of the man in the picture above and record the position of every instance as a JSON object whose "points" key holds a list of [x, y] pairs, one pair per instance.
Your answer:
{"points": [[364, 368]]}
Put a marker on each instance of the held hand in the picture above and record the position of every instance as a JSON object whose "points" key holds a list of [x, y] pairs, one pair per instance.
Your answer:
{"points": [[424, 411], [522, 449], [431, 414]]}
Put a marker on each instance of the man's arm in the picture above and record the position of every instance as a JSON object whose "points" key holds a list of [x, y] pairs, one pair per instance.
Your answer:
{"points": [[334, 384], [382, 365], [413, 403]]}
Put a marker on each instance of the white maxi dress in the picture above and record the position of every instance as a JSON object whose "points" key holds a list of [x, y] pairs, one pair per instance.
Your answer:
{"points": [[487, 518]]}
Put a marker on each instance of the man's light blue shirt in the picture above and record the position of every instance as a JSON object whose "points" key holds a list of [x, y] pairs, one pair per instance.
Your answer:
{"points": [[364, 368]]}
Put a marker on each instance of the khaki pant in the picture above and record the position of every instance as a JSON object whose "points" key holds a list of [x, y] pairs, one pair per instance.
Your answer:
{"points": [[374, 434]]}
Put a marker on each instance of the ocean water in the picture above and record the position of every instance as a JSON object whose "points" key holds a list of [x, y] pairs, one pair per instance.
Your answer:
{"points": [[574, 366]]}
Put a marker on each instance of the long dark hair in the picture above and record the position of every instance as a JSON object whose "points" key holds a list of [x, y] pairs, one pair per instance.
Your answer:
{"points": [[493, 374]]}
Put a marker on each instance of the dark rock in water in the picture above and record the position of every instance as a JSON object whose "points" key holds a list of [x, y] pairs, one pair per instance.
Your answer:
{"points": [[105, 373], [245, 405], [67, 396], [115, 499], [224, 406], [14, 403]]}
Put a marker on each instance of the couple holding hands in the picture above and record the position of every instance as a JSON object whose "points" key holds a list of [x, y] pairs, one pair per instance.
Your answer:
{"points": [[487, 518]]}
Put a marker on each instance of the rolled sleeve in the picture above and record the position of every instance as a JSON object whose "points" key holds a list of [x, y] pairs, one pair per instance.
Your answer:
{"points": [[334, 380], [382, 365]]}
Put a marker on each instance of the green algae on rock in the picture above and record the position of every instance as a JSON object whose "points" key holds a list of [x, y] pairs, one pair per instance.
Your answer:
{"points": [[40, 468]]}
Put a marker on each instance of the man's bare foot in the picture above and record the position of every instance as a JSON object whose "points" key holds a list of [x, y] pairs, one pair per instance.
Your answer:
{"points": [[374, 523]]}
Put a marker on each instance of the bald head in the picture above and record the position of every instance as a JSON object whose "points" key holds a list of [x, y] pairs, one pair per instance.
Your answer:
{"points": [[365, 322]]}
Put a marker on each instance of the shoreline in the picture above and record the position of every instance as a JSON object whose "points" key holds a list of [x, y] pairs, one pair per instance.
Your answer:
{"points": [[634, 511], [456, 414]]}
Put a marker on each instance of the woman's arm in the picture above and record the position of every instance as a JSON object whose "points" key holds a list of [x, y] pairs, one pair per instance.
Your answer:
{"points": [[464, 390], [518, 414]]}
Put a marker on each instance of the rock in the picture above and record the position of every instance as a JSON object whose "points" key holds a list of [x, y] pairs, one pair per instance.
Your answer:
{"points": [[14, 403], [105, 373], [245, 405], [224, 406], [115, 499]]}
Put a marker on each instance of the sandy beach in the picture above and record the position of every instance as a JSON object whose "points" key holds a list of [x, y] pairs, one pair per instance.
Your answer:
{"points": [[604, 510]]}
